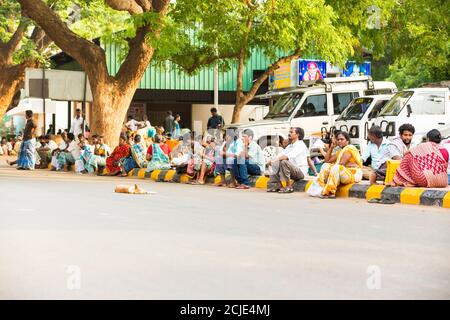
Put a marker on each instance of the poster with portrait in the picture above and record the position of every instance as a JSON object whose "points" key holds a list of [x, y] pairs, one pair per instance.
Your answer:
{"points": [[352, 69], [312, 70]]}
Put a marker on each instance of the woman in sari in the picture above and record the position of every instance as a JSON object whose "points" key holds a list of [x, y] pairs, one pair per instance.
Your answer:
{"points": [[158, 159], [424, 166], [206, 166], [97, 160], [347, 168], [137, 158], [121, 151], [176, 127]]}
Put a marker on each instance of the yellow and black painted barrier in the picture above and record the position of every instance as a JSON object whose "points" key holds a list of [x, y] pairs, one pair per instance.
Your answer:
{"points": [[417, 196]]}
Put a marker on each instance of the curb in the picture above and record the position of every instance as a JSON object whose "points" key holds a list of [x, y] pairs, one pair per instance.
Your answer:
{"points": [[415, 196]]}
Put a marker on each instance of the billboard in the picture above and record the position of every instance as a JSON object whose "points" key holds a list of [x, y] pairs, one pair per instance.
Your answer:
{"points": [[352, 69], [312, 70], [284, 76], [57, 85]]}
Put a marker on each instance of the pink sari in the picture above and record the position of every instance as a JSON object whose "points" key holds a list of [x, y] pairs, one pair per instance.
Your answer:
{"points": [[423, 166]]}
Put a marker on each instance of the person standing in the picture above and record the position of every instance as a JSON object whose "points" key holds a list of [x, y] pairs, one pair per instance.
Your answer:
{"points": [[215, 121], [168, 122], [176, 127], [77, 124], [292, 163], [27, 155], [132, 124], [215, 125]]}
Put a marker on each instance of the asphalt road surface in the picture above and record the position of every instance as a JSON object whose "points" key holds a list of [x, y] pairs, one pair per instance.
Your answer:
{"points": [[64, 236]]}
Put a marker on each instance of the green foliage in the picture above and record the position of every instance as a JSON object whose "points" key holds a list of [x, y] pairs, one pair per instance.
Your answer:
{"points": [[226, 28], [88, 18], [418, 40]]}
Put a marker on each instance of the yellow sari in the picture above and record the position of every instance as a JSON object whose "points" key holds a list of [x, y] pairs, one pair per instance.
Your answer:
{"points": [[332, 175]]}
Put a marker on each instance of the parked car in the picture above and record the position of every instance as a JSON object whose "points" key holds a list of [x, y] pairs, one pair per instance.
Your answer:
{"points": [[424, 108], [312, 106], [359, 116]]}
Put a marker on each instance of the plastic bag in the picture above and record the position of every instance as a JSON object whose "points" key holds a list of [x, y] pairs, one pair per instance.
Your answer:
{"points": [[79, 166], [315, 190]]}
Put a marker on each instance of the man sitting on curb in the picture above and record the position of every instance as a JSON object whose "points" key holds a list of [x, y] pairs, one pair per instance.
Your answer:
{"points": [[235, 159], [292, 163], [379, 150], [254, 159], [404, 141], [68, 156], [45, 151]]}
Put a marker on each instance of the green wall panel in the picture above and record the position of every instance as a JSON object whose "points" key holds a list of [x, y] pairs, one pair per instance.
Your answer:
{"points": [[168, 78]]}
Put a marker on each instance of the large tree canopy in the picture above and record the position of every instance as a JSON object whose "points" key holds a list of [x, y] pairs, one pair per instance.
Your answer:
{"points": [[24, 44], [227, 31], [111, 94], [418, 42]]}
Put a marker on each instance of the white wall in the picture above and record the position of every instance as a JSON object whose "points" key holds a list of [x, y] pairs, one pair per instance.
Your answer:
{"points": [[201, 114]]}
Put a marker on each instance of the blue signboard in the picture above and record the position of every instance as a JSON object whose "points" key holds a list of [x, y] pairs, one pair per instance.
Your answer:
{"points": [[311, 70], [354, 70]]}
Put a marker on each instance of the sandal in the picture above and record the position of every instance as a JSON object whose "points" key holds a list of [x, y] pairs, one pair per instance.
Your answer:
{"points": [[242, 187], [273, 190], [286, 190], [381, 200], [333, 196]]}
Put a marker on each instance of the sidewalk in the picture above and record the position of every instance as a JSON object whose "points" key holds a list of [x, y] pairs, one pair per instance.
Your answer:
{"points": [[417, 196]]}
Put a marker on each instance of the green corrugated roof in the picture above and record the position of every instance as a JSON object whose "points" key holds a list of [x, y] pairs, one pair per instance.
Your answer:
{"points": [[168, 78]]}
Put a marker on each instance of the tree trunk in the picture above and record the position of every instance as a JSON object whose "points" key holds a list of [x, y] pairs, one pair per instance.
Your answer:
{"points": [[109, 110], [111, 95], [11, 80], [237, 111]]}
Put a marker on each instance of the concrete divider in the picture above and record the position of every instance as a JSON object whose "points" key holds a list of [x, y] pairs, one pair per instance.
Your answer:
{"points": [[417, 196]]}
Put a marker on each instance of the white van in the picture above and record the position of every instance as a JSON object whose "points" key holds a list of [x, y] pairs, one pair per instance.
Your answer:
{"points": [[424, 108], [312, 106], [359, 116]]}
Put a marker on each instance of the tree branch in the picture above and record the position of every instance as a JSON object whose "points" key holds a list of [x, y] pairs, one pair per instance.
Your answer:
{"points": [[260, 80], [41, 39], [131, 6], [241, 61], [8, 48], [200, 60], [88, 54], [140, 52], [145, 4]]}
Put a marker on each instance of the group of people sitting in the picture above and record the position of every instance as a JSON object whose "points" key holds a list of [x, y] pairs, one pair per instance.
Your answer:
{"points": [[11, 146], [212, 154], [422, 165]]}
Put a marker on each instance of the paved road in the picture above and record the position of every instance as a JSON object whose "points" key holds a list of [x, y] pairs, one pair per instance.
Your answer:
{"points": [[68, 236]]}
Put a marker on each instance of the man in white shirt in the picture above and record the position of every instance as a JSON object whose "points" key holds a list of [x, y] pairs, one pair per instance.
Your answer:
{"points": [[132, 124], [61, 147], [404, 141], [77, 124], [292, 163], [70, 155], [252, 160]]}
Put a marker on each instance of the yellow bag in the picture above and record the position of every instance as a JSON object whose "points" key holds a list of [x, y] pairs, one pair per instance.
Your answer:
{"points": [[391, 169]]}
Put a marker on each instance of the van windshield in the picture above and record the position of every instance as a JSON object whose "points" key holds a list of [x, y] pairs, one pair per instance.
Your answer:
{"points": [[396, 104], [356, 109], [284, 106]]}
